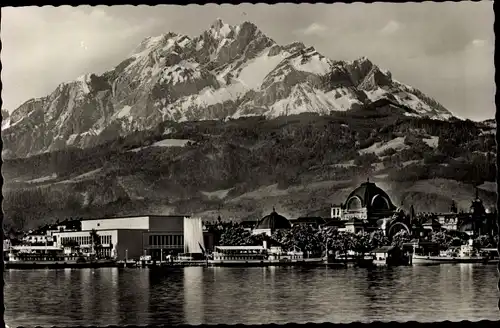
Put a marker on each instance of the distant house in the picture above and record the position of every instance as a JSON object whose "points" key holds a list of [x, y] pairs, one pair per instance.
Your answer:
{"points": [[248, 224], [418, 231], [383, 252], [354, 225], [6, 244], [335, 224], [387, 255], [424, 247], [314, 221], [449, 221], [432, 225]]}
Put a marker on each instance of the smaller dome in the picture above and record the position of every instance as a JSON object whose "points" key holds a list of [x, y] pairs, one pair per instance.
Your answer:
{"points": [[273, 221]]}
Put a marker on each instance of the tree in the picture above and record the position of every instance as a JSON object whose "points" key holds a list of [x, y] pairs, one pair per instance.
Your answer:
{"points": [[96, 242], [330, 237], [258, 240], [344, 243], [305, 237], [485, 241], [444, 239], [361, 243], [400, 238], [378, 239], [234, 235]]}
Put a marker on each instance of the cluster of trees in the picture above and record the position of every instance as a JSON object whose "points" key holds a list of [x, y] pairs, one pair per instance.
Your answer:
{"points": [[317, 241], [307, 238]]}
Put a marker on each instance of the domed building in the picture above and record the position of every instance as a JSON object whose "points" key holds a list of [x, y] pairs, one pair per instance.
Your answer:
{"points": [[271, 223], [368, 208], [368, 202]]}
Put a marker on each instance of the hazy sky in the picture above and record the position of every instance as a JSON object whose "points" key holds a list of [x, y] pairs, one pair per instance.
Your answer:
{"points": [[444, 49]]}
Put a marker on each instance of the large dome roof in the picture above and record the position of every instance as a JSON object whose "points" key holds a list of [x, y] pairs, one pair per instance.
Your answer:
{"points": [[370, 196], [273, 221]]}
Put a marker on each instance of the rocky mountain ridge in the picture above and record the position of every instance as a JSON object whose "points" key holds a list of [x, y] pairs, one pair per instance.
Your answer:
{"points": [[226, 72]]}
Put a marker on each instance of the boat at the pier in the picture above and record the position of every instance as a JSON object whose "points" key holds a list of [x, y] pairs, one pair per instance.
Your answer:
{"points": [[491, 253], [258, 256], [464, 254], [51, 257]]}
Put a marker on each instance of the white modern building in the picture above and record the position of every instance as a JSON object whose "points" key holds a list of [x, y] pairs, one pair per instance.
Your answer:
{"points": [[129, 237]]}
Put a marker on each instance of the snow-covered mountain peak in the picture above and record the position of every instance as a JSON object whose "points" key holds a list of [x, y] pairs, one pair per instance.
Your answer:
{"points": [[226, 71], [219, 29]]}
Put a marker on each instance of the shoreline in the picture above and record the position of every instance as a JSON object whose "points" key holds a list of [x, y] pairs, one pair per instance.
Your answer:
{"points": [[38, 266]]}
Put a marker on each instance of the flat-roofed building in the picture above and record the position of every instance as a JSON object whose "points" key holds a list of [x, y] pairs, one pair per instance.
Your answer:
{"points": [[129, 237]]}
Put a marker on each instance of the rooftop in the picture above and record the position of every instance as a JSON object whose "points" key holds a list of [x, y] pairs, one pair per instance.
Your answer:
{"points": [[309, 219], [273, 221], [137, 216]]}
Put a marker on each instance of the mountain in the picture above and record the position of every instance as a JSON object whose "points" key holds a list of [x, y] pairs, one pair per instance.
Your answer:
{"points": [[299, 164], [226, 72], [5, 119]]}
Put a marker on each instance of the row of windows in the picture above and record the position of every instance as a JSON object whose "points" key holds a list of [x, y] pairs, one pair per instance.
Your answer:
{"points": [[166, 240], [238, 258], [86, 240]]}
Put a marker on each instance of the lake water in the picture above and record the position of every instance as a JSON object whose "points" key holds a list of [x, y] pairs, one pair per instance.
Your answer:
{"points": [[197, 295]]}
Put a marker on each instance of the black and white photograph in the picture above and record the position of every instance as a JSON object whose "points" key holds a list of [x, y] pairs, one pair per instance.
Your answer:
{"points": [[249, 164]]}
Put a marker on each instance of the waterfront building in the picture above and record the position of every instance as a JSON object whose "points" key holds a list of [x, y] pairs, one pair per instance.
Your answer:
{"points": [[271, 223], [60, 228], [384, 252], [6, 244], [36, 239], [367, 208], [432, 225], [134, 236], [128, 237], [450, 221], [477, 221], [354, 225], [368, 202]]}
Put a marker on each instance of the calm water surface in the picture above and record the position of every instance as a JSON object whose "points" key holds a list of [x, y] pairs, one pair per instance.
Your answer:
{"points": [[249, 295]]}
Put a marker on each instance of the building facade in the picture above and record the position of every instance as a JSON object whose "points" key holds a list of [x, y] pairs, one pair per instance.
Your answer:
{"points": [[368, 202], [128, 237], [367, 208]]}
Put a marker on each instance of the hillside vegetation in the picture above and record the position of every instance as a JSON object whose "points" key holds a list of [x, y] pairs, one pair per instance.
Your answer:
{"points": [[242, 167]]}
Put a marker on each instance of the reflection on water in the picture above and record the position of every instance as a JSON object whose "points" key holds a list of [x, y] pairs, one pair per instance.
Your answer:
{"points": [[193, 295], [249, 295]]}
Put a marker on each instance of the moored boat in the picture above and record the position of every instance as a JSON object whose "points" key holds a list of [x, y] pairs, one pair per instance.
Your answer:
{"points": [[465, 254], [258, 256], [51, 257]]}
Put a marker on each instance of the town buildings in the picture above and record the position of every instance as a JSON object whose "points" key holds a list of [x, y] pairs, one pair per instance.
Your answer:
{"points": [[368, 208], [131, 237]]}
